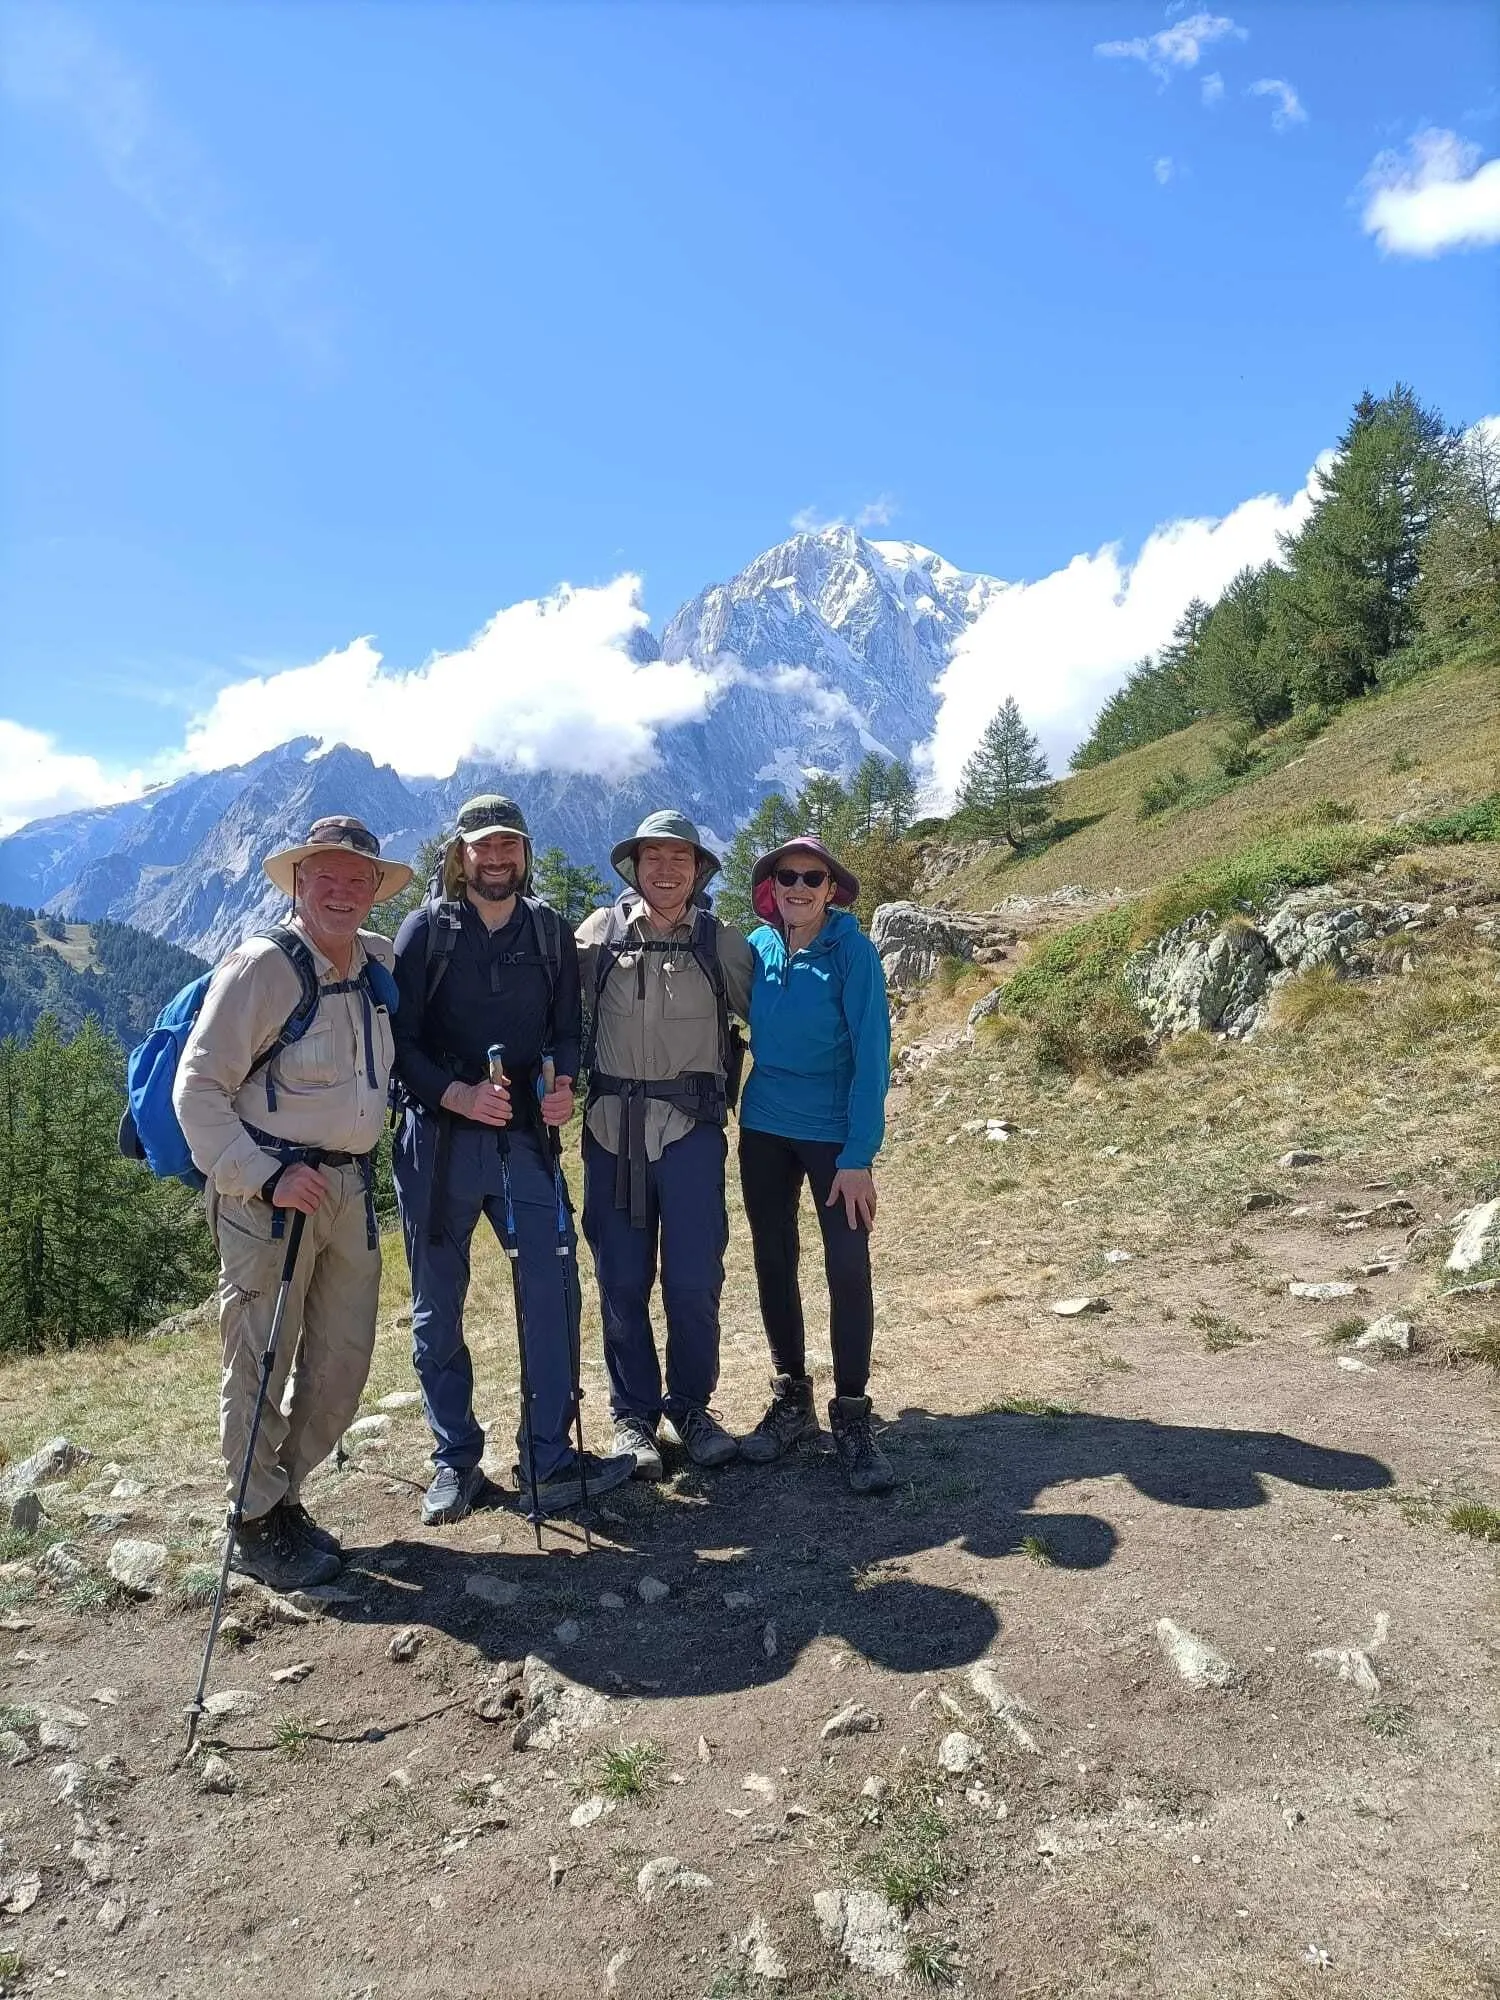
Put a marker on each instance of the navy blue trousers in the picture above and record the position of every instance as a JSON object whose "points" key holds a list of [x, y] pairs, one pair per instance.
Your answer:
{"points": [[687, 1230], [440, 1282]]}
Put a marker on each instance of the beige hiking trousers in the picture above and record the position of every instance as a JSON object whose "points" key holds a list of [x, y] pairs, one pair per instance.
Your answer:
{"points": [[327, 1336]]}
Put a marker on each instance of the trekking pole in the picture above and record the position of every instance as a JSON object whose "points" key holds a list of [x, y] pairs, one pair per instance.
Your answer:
{"points": [[495, 1056], [237, 1512], [572, 1300]]}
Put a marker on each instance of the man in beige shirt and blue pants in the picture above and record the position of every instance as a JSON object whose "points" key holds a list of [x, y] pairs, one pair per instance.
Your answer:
{"points": [[297, 1132], [654, 1142]]}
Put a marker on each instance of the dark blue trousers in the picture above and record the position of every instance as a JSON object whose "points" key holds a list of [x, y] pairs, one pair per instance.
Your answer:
{"points": [[687, 1229], [440, 1282]]}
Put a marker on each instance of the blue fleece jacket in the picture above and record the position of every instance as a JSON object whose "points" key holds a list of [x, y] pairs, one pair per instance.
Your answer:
{"points": [[820, 1035]]}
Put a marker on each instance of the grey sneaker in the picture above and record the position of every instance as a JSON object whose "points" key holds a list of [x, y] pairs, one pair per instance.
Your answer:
{"points": [[634, 1438], [789, 1419], [866, 1467], [456, 1492], [564, 1488], [702, 1437], [273, 1550], [315, 1537]]}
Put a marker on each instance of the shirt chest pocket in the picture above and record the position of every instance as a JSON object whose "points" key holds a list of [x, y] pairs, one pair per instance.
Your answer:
{"points": [[685, 994], [311, 1063]]}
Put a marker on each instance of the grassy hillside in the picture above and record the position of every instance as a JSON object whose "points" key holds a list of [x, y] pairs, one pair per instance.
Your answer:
{"points": [[1420, 750], [106, 972]]}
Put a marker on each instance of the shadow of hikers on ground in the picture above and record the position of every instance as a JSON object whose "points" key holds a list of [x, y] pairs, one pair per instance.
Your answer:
{"points": [[758, 1563]]}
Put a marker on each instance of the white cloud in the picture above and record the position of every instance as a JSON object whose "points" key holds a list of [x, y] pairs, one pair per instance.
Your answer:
{"points": [[1213, 87], [1176, 47], [38, 779], [1164, 169], [1062, 644], [547, 685], [1287, 110], [876, 513], [1441, 195], [54, 61]]}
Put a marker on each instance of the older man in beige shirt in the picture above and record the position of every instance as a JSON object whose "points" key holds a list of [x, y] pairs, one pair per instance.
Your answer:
{"points": [[277, 1125], [664, 977]]}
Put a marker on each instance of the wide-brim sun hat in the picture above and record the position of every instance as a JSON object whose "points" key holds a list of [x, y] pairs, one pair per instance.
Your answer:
{"points": [[666, 825], [763, 889], [348, 835]]}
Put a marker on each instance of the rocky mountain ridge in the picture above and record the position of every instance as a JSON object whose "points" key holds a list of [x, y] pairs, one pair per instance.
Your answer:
{"points": [[828, 646]]}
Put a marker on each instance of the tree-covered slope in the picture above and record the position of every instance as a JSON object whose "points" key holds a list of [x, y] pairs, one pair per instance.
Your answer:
{"points": [[104, 972]]}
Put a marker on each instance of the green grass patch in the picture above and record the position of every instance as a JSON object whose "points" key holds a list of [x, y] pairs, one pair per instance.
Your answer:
{"points": [[1036, 1550], [293, 1733], [1026, 1406], [629, 1770], [1387, 1719], [16, 1715], [911, 1864], [1472, 1517], [930, 1965], [1219, 1333], [1343, 1331]]}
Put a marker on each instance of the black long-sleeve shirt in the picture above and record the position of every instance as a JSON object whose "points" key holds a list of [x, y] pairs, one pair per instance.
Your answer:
{"points": [[482, 999]]}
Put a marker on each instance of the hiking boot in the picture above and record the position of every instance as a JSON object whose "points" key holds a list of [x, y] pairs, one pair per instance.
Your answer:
{"points": [[315, 1537], [866, 1467], [635, 1438], [703, 1437], [564, 1487], [273, 1550], [456, 1491], [789, 1419]]}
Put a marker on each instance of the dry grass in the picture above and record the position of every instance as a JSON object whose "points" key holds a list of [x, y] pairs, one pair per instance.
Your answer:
{"points": [[1318, 994]]}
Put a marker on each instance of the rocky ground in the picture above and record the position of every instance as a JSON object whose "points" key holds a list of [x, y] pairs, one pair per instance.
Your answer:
{"points": [[1171, 1667]]}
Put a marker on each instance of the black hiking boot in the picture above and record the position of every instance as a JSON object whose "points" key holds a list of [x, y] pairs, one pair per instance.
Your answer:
{"points": [[790, 1418], [315, 1536], [273, 1550], [702, 1437], [564, 1487], [635, 1438], [454, 1493], [866, 1467]]}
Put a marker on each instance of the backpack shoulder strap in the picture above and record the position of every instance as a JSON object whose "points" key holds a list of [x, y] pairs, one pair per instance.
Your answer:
{"points": [[607, 957], [444, 928], [300, 1019], [546, 924], [705, 947]]}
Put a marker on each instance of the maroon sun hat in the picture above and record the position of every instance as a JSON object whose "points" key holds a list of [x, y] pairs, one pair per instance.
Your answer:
{"points": [[763, 892]]}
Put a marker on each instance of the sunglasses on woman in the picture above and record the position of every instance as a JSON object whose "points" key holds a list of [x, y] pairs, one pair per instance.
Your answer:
{"points": [[790, 877]]}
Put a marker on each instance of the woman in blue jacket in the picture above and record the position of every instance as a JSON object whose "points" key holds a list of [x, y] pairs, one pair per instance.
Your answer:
{"points": [[814, 1109]]}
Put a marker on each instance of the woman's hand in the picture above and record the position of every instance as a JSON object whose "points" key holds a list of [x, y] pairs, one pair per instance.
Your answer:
{"points": [[855, 1188]]}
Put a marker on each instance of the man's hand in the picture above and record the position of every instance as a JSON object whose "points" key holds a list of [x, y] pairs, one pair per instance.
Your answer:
{"points": [[301, 1187], [855, 1188], [482, 1103], [557, 1105]]}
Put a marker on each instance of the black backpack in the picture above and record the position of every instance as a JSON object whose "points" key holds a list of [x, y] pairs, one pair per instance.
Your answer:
{"points": [[445, 926], [703, 943]]}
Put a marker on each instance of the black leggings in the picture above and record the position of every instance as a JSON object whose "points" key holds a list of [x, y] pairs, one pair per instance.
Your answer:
{"points": [[772, 1170]]}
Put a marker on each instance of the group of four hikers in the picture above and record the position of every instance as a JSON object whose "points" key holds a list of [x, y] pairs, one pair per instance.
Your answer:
{"points": [[483, 1027]]}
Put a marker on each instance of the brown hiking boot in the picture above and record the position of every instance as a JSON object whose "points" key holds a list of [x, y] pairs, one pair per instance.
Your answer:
{"points": [[789, 1419], [275, 1552], [866, 1467]]}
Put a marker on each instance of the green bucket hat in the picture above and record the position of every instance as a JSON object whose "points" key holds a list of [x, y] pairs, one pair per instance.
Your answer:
{"points": [[666, 825]]}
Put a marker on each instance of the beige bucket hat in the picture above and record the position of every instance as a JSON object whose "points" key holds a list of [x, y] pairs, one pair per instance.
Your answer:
{"points": [[337, 831]]}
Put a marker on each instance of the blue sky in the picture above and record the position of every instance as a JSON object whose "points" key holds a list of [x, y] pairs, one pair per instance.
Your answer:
{"points": [[328, 320]]}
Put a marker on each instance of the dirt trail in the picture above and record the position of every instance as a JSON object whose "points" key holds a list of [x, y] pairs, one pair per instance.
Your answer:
{"points": [[1292, 1831]]}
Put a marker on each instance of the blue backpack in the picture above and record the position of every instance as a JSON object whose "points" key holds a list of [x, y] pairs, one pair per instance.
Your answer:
{"points": [[149, 1129]]}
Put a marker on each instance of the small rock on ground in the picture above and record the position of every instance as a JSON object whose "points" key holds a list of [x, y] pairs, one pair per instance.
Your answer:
{"points": [[852, 1720], [651, 1590], [232, 1701], [400, 1399], [25, 1514], [1333, 1288], [491, 1589], [138, 1566], [216, 1776], [1478, 1240], [288, 1676], [406, 1645], [1300, 1156], [111, 1917], [49, 1461], [1197, 1662], [368, 1427], [1074, 1308], [1386, 1332], [766, 1962], [664, 1873], [958, 1753], [865, 1928]]}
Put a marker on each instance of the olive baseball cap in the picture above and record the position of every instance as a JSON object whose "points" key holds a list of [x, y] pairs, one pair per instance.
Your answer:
{"points": [[490, 813]]}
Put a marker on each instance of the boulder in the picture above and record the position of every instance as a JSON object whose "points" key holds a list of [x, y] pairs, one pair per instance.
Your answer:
{"points": [[1314, 927], [865, 1927], [1387, 1332], [1478, 1240], [49, 1461], [1197, 1662], [1202, 976], [138, 1566], [911, 940]]}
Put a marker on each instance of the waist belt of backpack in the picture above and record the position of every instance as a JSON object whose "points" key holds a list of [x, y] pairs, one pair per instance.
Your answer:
{"points": [[292, 1155], [697, 1093], [524, 1114]]}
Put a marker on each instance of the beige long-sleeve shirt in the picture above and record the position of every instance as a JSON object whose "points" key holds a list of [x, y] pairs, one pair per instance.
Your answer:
{"points": [[657, 1016], [324, 1096]]}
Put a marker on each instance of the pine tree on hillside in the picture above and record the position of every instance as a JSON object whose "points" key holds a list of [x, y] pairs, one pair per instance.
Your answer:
{"points": [[571, 891], [1459, 592], [1006, 790], [387, 917], [773, 821], [1353, 567], [823, 806], [900, 800], [1235, 671]]}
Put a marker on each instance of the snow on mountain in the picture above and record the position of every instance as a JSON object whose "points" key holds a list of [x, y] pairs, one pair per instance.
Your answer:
{"points": [[826, 646]]}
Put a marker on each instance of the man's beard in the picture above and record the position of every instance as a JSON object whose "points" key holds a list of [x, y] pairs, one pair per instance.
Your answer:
{"points": [[498, 888]]}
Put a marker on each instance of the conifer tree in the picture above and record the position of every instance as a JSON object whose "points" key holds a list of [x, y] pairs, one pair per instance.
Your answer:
{"points": [[1006, 790], [1459, 591]]}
